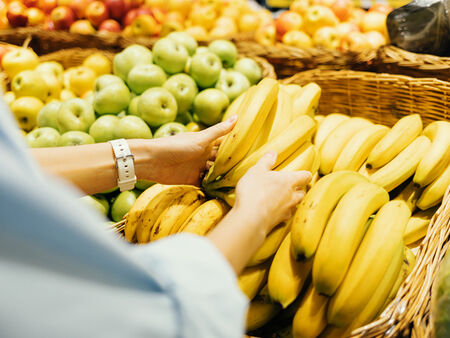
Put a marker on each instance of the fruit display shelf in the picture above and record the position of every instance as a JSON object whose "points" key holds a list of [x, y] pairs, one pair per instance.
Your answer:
{"points": [[385, 98]]}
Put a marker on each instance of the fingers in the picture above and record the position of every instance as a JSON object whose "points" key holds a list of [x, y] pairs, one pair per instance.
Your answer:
{"points": [[298, 196], [267, 161], [298, 178], [213, 133]]}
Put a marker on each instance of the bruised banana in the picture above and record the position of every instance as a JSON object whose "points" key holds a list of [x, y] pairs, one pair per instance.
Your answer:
{"points": [[337, 140], [176, 213], [238, 142], [410, 194], [437, 158], [316, 207], [417, 226], [406, 130], [298, 132], [252, 279], [381, 242], [308, 100], [205, 217], [402, 166], [302, 159], [432, 195], [330, 123], [311, 317], [155, 207], [358, 148], [343, 234], [271, 244], [286, 275]]}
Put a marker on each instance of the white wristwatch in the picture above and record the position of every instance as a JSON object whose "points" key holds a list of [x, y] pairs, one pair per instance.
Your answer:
{"points": [[124, 164]]}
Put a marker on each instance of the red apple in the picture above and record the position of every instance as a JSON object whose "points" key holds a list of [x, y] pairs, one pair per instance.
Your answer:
{"points": [[30, 3], [63, 17], [96, 13], [158, 14], [47, 5], [17, 14], [144, 10], [133, 4], [129, 17], [288, 21], [116, 8], [82, 27], [79, 7], [110, 25], [342, 9], [381, 8], [49, 25], [35, 16]]}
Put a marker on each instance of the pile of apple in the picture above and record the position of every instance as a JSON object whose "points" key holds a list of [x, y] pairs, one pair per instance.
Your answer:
{"points": [[332, 24], [174, 88]]}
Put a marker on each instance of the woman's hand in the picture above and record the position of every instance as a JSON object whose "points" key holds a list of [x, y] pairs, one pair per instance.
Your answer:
{"points": [[181, 159]]}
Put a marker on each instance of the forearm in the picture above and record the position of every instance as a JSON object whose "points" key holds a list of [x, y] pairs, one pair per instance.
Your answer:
{"points": [[237, 237], [92, 167]]}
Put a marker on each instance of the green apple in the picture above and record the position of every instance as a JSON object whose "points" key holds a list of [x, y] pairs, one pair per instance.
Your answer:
{"points": [[233, 84], [43, 137], [184, 118], [111, 99], [201, 49], [75, 138], [102, 130], [143, 184], [184, 89], [250, 69], [210, 104], [106, 80], [143, 77], [131, 126], [170, 55], [157, 106], [103, 201], [109, 191], [89, 98], [225, 50], [47, 116], [51, 67], [170, 129], [95, 203], [122, 205], [205, 69], [186, 40], [30, 83], [132, 107], [75, 114], [129, 58]]}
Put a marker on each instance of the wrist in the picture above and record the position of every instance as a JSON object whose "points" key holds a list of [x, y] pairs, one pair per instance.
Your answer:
{"points": [[248, 218], [144, 158]]}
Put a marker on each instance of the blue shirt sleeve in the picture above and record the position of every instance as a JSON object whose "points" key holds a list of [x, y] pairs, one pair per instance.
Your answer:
{"points": [[63, 274]]}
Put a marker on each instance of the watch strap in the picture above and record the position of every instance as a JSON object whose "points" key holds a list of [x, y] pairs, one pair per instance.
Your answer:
{"points": [[124, 164]]}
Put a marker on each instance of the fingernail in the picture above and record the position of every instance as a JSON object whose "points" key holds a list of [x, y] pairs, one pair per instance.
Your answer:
{"points": [[272, 154], [233, 118]]}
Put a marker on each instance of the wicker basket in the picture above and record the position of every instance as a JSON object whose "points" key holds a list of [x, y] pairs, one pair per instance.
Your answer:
{"points": [[385, 98], [398, 61]]}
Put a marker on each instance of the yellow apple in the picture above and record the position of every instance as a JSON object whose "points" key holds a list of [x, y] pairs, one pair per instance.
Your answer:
{"points": [[297, 39], [99, 63], [317, 17], [19, 59], [223, 21], [52, 67], [9, 97], [26, 109], [249, 22], [35, 16], [355, 41], [344, 28], [127, 31], [222, 32], [66, 77], [375, 39], [181, 6], [374, 21], [199, 33], [265, 35], [300, 6], [203, 15], [82, 79], [54, 86], [29, 83], [144, 25], [67, 94], [326, 37]]}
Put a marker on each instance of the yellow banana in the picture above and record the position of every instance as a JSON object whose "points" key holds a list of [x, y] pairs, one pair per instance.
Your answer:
{"points": [[358, 148], [325, 128], [319, 119], [260, 312], [263, 134], [155, 207], [238, 142], [311, 317], [402, 166], [343, 234], [302, 159], [314, 210], [332, 331], [294, 90], [417, 226], [286, 275], [176, 213], [410, 194], [371, 262], [433, 194], [398, 138], [437, 159], [298, 132], [314, 179], [228, 195], [271, 244], [308, 100], [205, 217], [234, 107], [336, 141], [252, 279]]}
